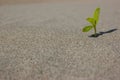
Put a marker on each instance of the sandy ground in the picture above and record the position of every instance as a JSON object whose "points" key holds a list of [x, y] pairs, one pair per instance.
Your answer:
{"points": [[45, 42]]}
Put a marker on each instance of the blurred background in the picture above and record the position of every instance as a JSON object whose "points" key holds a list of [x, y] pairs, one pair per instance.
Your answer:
{"points": [[3, 2]]}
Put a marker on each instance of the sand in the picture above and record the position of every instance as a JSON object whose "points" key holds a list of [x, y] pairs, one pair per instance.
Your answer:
{"points": [[44, 41]]}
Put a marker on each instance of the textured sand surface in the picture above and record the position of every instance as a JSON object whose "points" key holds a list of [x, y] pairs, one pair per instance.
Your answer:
{"points": [[45, 42]]}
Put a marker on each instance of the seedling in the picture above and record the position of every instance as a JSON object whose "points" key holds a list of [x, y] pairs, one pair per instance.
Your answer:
{"points": [[93, 22]]}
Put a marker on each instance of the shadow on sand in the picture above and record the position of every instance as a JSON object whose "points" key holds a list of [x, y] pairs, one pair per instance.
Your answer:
{"points": [[101, 33]]}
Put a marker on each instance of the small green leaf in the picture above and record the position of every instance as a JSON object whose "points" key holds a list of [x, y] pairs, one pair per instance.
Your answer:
{"points": [[91, 20], [87, 28], [96, 14]]}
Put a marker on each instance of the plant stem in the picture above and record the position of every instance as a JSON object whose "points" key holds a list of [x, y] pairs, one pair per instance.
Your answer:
{"points": [[95, 31]]}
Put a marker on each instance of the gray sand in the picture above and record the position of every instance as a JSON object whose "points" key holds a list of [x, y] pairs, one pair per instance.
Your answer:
{"points": [[45, 42]]}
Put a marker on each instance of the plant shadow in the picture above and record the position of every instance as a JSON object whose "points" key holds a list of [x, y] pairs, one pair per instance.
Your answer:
{"points": [[101, 33]]}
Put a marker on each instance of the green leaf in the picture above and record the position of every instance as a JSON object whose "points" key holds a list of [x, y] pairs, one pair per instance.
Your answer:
{"points": [[96, 14], [87, 28], [91, 20]]}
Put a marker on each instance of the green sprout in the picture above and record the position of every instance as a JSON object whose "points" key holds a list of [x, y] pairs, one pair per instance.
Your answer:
{"points": [[93, 22]]}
